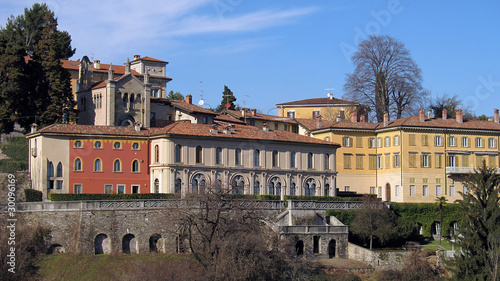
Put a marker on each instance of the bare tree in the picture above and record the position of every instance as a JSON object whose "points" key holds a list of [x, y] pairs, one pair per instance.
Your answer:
{"points": [[385, 78]]}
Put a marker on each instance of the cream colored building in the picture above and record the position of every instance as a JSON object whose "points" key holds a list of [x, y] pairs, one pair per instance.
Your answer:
{"points": [[330, 108]]}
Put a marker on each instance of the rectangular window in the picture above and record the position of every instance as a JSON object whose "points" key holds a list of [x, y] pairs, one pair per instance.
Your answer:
{"points": [[412, 180], [347, 141], [327, 161], [372, 162], [359, 142], [77, 188], [438, 180], [108, 188], [479, 142], [438, 141], [451, 141], [380, 192], [387, 141], [412, 190], [347, 161], [465, 142], [359, 162], [452, 161], [438, 190], [479, 160], [379, 162], [256, 158], [371, 142], [120, 189], [397, 191], [290, 114], [396, 160], [452, 190], [412, 140], [426, 161], [492, 162], [412, 160], [439, 160], [379, 142], [425, 140], [425, 190], [372, 189], [387, 161], [492, 143], [347, 188], [396, 140], [465, 160], [425, 180], [316, 113], [59, 184]]}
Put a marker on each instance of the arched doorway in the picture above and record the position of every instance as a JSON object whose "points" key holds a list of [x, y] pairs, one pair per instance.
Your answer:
{"points": [[299, 248], [129, 244], [332, 248], [153, 243], [55, 249], [102, 244], [387, 192]]}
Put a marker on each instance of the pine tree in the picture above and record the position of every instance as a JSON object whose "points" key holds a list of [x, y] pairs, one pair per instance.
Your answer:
{"points": [[227, 97], [56, 78], [479, 239]]}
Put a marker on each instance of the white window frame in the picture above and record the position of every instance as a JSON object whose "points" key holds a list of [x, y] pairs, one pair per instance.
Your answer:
{"points": [[412, 190], [492, 143], [396, 160], [451, 141], [465, 142], [438, 141], [438, 191], [425, 190], [75, 189], [106, 190], [387, 141], [479, 142], [396, 140], [379, 142], [425, 160]]}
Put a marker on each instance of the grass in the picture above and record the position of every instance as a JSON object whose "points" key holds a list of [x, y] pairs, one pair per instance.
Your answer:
{"points": [[434, 245]]}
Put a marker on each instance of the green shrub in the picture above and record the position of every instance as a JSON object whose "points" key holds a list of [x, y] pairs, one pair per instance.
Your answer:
{"points": [[17, 149], [95, 196], [12, 166], [322, 198], [32, 195]]}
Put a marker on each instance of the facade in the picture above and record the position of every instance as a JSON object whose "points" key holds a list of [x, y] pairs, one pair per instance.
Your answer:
{"points": [[412, 159], [182, 157], [259, 120], [330, 108]]}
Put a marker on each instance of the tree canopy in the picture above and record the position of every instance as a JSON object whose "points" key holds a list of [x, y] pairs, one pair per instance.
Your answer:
{"points": [[385, 78], [175, 96], [227, 97], [34, 85]]}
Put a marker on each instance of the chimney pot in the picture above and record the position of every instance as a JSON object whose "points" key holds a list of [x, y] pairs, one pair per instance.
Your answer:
{"points": [[319, 122], [189, 99], [362, 118], [445, 114], [496, 118], [459, 114], [421, 114], [253, 111], [137, 57], [354, 116], [97, 64], [137, 126], [34, 127], [243, 111], [386, 119]]}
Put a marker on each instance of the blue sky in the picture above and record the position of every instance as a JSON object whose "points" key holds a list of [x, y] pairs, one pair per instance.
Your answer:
{"points": [[268, 52]]}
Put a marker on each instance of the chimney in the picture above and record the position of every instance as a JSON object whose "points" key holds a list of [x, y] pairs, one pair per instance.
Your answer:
{"points": [[421, 114], [354, 116], [445, 114], [459, 114], [189, 99], [34, 127], [214, 130], [253, 111], [362, 118], [386, 119], [265, 127], [127, 66], [137, 126], [243, 111], [429, 114], [319, 122], [496, 118], [97, 64], [136, 57]]}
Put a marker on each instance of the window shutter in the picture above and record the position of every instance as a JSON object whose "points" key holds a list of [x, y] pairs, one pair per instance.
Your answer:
{"points": [[429, 161]]}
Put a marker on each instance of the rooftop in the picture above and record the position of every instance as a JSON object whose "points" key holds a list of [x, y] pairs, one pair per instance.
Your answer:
{"points": [[318, 101]]}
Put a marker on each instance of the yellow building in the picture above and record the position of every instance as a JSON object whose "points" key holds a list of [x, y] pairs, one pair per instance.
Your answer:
{"points": [[330, 108], [412, 159]]}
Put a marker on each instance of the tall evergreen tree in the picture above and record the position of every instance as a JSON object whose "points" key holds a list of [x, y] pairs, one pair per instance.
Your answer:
{"points": [[479, 240], [227, 97]]}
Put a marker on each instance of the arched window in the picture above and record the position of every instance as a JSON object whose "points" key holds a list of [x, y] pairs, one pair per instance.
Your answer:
{"points": [[59, 171], [135, 146], [125, 100], [138, 98], [218, 156], [117, 166], [178, 150], [237, 156], [327, 189], [78, 144], [157, 154], [275, 158], [178, 185], [135, 166], [198, 184], [237, 185], [131, 104], [292, 188], [310, 187], [310, 160], [97, 165], [256, 186], [199, 154], [327, 161], [78, 165], [97, 145], [275, 186], [292, 159], [117, 145], [256, 158], [50, 170], [157, 186]]}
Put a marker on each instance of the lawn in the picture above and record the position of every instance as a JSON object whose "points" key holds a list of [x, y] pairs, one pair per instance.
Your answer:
{"points": [[434, 245]]}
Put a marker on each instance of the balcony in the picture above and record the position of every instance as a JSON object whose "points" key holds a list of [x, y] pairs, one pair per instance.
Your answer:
{"points": [[462, 170]]}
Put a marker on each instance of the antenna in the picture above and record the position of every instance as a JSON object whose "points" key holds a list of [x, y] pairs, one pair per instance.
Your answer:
{"points": [[201, 102], [330, 93]]}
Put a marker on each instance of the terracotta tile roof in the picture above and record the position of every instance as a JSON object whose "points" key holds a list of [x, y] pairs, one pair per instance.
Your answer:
{"points": [[318, 101], [181, 104], [260, 116], [242, 132], [228, 118], [312, 124], [414, 121], [152, 59]]}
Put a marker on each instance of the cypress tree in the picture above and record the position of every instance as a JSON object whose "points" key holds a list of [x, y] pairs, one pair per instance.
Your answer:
{"points": [[227, 97]]}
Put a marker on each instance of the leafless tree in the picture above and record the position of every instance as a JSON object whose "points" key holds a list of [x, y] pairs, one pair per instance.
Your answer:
{"points": [[385, 78]]}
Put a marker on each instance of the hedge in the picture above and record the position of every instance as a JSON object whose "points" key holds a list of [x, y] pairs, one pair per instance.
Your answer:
{"points": [[96, 196], [32, 195]]}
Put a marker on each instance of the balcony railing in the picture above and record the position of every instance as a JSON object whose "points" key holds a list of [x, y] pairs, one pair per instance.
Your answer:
{"points": [[313, 229], [462, 170]]}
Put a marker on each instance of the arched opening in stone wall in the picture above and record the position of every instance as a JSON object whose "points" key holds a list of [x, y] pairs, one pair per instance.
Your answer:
{"points": [[129, 244], [299, 248], [316, 240], [436, 229], [154, 243], [332, 248], [56, 249], [102, 244]]}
